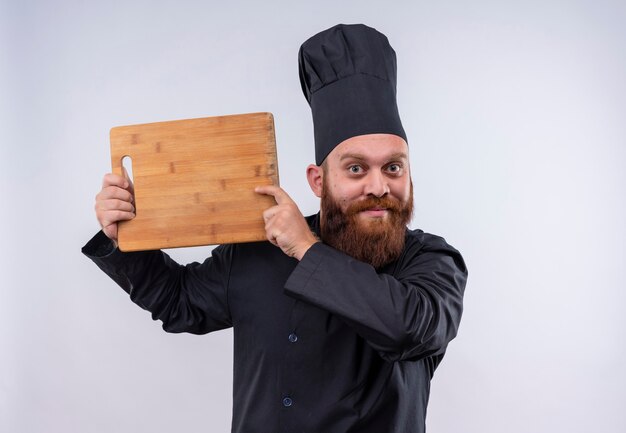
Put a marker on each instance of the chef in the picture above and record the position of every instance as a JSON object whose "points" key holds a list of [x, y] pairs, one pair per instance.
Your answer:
{"points": [[340, 318]]}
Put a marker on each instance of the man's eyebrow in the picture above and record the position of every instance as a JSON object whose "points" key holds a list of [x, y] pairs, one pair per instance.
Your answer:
{"points": [[358, 156], [351, 156], [399, 155]]}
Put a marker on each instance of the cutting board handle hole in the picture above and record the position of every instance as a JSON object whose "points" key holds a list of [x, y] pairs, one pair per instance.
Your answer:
{"points": [[127, 163]]}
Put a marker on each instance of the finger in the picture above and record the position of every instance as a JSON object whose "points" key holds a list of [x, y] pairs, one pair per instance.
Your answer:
{"points": [[114, 204], [111, 232], [112, 179], [277, 192], [269, 234], [131, 187], [115, 192], [268, 214], [114, 216], [276, 214]]}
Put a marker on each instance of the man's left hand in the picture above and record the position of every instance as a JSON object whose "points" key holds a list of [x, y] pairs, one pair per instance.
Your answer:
{"points": [[285, 226]]}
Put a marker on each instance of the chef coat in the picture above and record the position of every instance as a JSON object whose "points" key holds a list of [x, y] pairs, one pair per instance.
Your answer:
{"points": [[322, 345]]}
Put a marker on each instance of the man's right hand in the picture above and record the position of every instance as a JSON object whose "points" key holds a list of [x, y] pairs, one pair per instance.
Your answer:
{"points": [[114, 203]]}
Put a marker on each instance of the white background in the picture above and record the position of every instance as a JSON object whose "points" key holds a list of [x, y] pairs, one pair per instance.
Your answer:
{"points": [[515, 114]]}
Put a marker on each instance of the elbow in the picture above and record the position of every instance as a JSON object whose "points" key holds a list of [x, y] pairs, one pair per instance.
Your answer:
{"points": [[425, 337]]}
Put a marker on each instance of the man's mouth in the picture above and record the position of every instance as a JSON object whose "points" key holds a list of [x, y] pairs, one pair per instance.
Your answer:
{"points": [[375, 212], [374, 208]]}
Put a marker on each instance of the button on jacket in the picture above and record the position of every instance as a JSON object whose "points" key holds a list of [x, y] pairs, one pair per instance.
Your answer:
{"points": [[324, 345]]}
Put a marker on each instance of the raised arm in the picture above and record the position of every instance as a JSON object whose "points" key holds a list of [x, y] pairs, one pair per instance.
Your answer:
{"points": [[412, 310], [191, 298]]}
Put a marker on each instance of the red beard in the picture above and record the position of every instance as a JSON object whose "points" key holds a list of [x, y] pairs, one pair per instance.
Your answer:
{"points": [[377, 242]]}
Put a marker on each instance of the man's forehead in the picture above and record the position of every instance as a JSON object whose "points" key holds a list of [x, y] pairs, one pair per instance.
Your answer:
{"points": [[379, 155], [371, 146]]}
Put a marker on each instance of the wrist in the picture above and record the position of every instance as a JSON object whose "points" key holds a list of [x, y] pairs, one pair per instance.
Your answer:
{"points": [[305, 247]]}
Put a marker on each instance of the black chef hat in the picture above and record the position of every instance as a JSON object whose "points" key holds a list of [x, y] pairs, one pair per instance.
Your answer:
{"points": [[348, 76]]}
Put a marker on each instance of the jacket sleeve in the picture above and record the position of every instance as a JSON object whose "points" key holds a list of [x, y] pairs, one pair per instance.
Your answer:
{"points": [[191, 298], [412, 314]]}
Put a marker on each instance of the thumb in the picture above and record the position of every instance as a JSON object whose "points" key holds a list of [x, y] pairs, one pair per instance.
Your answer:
{"points": [[131, 187]]}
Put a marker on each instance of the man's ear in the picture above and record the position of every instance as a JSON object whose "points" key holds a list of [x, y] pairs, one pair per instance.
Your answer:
{"points": [[315, 175]]}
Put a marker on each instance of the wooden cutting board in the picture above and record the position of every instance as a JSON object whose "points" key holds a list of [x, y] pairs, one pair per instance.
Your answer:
{"points": [[194, 180]]}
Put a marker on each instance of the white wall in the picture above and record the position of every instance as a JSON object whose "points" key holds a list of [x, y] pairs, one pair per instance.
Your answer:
{"points": [[515, 114]]}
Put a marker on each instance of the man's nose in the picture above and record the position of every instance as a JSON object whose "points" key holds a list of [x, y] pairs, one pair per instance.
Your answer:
{"points": [[376, 184]]}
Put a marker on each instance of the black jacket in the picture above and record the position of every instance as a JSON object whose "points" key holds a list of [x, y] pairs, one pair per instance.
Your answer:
{"points": [[324, 345]]}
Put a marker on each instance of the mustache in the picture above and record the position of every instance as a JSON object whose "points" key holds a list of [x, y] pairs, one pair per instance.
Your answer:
{"points": [[387, 203]]}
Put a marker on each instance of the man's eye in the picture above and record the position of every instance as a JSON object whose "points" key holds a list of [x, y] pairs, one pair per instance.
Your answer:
{"points": [[394, 168], [355, 169]]}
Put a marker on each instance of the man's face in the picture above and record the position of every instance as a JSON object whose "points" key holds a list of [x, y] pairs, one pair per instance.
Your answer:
{"points": [[367, 197], [366, 166]]}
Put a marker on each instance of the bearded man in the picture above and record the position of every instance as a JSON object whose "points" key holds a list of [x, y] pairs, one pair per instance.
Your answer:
{"points": [[341, 318]]}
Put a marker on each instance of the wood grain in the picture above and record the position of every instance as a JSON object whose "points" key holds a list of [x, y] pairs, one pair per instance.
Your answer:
{"points": [[194, 180]]}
